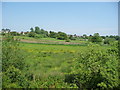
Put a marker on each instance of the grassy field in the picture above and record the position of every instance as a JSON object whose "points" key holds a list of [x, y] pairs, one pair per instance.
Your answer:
{"points": [[49, 40], [50, 63], [58, 65]]}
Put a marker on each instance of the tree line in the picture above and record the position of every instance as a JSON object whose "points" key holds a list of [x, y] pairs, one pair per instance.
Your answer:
{"points": [[41, 33]]}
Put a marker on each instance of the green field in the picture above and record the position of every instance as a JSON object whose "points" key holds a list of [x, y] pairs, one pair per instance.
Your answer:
{"points": [[53, 65], [49, 40], [50, 63]]}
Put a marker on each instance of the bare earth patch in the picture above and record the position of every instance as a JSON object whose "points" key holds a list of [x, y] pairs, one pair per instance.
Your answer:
{"points": [[47, 42]]}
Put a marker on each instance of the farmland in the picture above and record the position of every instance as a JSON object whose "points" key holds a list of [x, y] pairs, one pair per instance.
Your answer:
{"points": [[64, 61], [51, 61], [50, 41], [50, 65]]}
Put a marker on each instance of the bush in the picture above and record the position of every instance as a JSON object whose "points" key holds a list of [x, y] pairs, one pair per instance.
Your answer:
{"points": [[109, 40], [38, 36], [62, 36], [31, 34], [95, 38], [13, 78], [13, 64], [72, 38], [12, 54], [67, 40], [96, 69]]}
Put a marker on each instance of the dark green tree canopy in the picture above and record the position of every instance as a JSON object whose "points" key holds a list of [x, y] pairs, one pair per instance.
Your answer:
{"points": [[62, 36], [95, 38], [53, 34]]}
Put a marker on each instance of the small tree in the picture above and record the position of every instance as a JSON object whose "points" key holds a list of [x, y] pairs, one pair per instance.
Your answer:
{"points": [[62, 36], [95, 38], [53, 34], [32, 30], [109, 40], [31, 34], [85, 36], [13, 63], [103, 37], [37, 30], [14, 33], [72, 38]]}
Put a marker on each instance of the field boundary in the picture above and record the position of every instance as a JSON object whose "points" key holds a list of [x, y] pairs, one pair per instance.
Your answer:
{"points": [[54, 43]]}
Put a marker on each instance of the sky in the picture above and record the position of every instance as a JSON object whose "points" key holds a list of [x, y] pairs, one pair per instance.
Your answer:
{"points": [[69, 17]]}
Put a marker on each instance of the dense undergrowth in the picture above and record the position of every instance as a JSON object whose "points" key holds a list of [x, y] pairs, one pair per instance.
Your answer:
{"points": [[59, 66]]}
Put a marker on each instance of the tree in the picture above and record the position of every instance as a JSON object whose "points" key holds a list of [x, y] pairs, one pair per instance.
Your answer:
{"points": [[32, 30], [41, 31], [85, 36], [62, 36], [103, 37], [109, 40], [95, 38], [45, 33], [13, 64], [11, 54], [37, 30], [14, 33], [75, 35], [26, 32], [53, 34], [111, 36], [72, 38], [117, 37], [21, 32], [4, 31], [31, 34], [90, 35]]}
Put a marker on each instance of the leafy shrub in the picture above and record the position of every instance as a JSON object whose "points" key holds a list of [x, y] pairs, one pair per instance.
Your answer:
{"points": [[95, 69], [72, 38], [12, 54], [53, 34], [95, 38], [62, 36], [109, 40], [13, 64], [67, 40], [13, 78], [31, 34]]}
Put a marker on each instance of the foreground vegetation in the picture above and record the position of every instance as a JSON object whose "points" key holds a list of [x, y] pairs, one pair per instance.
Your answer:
{"points": [[32, 65]]}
